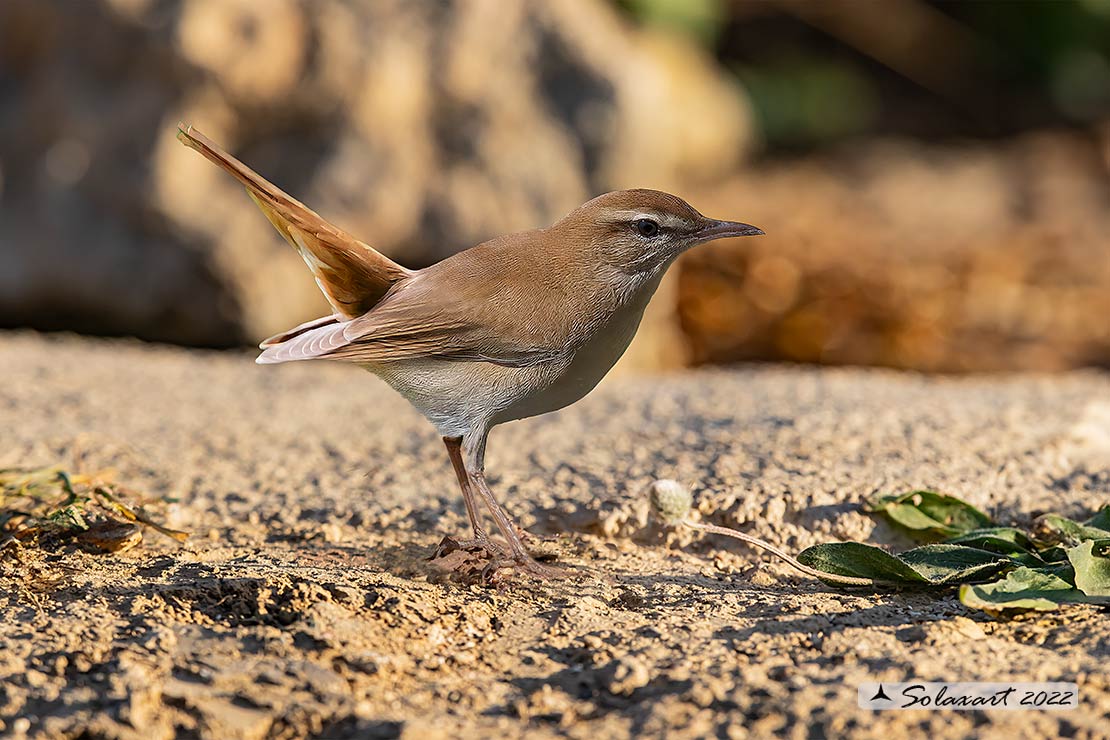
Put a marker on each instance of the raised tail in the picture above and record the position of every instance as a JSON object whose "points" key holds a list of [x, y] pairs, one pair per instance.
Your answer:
{"points": [[352, 275]]}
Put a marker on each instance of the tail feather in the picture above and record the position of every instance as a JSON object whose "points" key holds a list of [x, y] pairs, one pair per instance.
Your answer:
{"points": [[352, 275]]}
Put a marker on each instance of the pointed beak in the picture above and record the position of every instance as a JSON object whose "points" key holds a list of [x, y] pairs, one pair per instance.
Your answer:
{"points": [[725, 229]]}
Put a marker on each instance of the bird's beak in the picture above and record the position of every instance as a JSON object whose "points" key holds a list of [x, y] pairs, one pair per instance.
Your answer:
{"points": [[725, 229]]}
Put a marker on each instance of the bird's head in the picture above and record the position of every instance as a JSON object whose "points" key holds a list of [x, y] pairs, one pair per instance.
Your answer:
{"points": [[642, 230]]}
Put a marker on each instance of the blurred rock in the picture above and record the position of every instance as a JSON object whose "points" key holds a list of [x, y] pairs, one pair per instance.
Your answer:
{"points": [[937, 258], [423, 128]]}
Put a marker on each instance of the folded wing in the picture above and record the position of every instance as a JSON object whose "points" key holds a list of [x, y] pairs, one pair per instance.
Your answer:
{"points": [[410, 324], [463, 309]]}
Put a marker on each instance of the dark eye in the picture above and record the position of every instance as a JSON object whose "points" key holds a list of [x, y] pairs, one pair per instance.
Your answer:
{"points": [[645, 227]]}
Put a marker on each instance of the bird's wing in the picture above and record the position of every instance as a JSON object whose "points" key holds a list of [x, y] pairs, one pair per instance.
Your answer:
{"points": [[462, 309], [312, 344], [296, 331], [450, 335], [408, 326], [352, 275]]}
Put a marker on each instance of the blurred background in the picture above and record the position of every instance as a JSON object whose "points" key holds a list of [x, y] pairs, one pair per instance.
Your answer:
{"points": [[934, 177]]}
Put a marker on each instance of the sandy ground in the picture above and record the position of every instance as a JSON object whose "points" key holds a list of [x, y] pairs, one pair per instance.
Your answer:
{"points": [[304, 606]]}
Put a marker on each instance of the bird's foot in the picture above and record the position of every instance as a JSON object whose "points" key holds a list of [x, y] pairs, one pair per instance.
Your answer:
{"points": [[481, 560], [485, 545], [527, 536], [492, 573]]}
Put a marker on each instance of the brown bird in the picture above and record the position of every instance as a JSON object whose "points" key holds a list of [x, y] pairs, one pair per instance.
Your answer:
{"points": [[517, 326]]}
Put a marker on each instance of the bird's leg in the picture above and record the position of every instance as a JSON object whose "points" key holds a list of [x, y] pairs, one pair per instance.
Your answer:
{"points": [[506, 526], [481, 540], [471, 466], [519, 557], [454, 451]]}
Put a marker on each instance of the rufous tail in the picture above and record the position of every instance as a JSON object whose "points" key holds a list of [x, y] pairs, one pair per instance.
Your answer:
{"points": [[352, 275]]}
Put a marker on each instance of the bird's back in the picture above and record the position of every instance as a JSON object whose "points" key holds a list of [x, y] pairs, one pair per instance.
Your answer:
{"points": [[504, 301]]}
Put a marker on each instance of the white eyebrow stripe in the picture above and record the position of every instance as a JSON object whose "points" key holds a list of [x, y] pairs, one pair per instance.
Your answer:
{"points": [[666, 219]]}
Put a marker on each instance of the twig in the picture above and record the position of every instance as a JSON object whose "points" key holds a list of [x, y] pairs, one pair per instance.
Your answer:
{"points": [[671, 501], [755, 541], [137, 515]]}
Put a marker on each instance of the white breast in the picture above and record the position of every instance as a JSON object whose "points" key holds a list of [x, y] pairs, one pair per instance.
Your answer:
{"points": [[589, 363], [458, 397]]}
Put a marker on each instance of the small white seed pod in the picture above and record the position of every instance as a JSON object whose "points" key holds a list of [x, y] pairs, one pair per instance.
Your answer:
{"points": [[670, 500]]}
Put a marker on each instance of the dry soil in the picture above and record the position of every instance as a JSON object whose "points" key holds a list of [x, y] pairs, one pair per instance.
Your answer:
{"points": [[303, 605]]}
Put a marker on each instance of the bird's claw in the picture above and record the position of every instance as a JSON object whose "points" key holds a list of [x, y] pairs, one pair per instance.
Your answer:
{"points": [[526, 565], [499, 559], [450, 544]]}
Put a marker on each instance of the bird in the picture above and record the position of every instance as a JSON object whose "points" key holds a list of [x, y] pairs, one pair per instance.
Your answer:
{"points": [[517, 326]]}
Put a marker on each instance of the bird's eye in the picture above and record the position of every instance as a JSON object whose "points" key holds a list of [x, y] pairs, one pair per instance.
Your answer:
{"points": [[645, 227]]}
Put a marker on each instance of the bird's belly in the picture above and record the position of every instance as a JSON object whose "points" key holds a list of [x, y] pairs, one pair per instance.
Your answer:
{"points": [[449, 394], [458, 397], [580, 374]]}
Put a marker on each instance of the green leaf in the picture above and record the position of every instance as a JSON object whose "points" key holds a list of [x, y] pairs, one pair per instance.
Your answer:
{"points": [[1023, 590], [930, 513], [1092, 567], [1054, 554], [1101, 520], [946, 564], [1005, 540], [860, 560], [1053, 528], [68, 517], [911, 517]]}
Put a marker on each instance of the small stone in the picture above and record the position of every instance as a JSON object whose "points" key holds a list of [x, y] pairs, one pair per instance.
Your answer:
{"points": [[627, 674], [333, 535], [969, 628], [630, 599], [757, 576]]}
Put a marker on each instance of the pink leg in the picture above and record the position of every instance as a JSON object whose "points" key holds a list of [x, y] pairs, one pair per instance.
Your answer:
{"points": [[481, 540]]}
